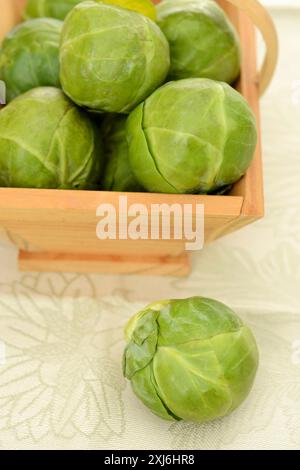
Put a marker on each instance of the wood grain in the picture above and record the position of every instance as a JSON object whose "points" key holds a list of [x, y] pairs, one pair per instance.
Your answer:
{"points": [[58, 228], [10, 14], [65, 221], [260, 17]]}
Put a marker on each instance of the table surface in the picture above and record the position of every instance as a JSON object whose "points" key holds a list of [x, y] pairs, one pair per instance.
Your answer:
{"points": [[61, 336]]}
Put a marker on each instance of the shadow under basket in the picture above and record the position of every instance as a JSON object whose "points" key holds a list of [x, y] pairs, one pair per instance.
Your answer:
{"points": [[55, 230]]}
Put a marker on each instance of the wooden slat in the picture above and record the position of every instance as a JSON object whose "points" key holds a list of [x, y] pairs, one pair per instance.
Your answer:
{"points": [[62, 224], [10, 14], [76, 201]]}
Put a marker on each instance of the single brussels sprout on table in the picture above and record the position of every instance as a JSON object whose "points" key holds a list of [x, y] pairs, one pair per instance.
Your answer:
{"points": [[111, 58], [191, 359], [29, 56], [49, 8], [118, 175], [47, 142], [203, 42], [191, 136]]}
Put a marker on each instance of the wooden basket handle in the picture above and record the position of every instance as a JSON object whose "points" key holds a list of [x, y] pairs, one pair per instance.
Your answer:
{"points": [[263, 21]]}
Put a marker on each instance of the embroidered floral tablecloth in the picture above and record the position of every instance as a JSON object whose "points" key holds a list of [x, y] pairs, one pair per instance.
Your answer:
{"points": [[61, 336]]}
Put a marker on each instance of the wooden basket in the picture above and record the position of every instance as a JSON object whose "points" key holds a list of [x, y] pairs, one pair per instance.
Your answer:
{"points": [[56, 230]]}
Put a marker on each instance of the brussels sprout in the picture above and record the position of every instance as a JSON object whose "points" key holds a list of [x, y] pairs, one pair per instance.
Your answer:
{"points": [[202, 40], [118, 175], [191, 359], [47, 142], [29, 57], [191, 136], [49, 8], [111, 58]]}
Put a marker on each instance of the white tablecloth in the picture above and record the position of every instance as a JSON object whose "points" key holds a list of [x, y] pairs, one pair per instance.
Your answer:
{"points": [[61, 337]]}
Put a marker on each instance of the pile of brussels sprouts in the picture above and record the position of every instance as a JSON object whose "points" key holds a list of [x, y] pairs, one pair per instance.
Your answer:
{"points": [[104, 97]]}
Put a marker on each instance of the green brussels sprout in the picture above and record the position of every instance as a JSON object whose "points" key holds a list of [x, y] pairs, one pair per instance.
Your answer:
{"points": [[47, 142], [118, 175], [111, 58], [191, 359], [203, 42], [49, 8], [29, 57], [191, 136]]}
